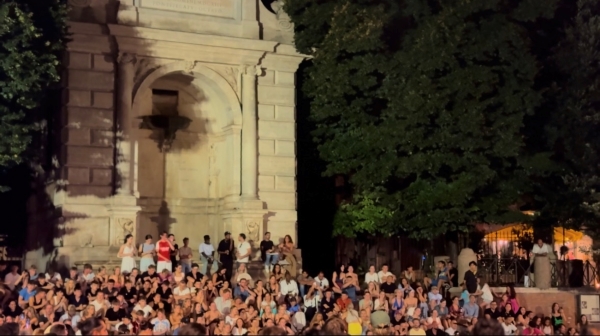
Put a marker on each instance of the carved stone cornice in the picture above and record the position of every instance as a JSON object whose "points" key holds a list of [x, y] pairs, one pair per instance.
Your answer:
{"points": [[126, 58]]}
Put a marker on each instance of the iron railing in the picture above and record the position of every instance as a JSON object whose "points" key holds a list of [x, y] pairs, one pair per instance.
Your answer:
{"points": [[497, 271]]}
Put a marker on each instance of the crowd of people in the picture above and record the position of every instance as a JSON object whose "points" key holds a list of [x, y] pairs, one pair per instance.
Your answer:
{"points": [[170, 294]]}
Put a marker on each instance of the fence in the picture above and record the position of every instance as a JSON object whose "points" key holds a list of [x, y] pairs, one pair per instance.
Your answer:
{"points": [[497, 271]]}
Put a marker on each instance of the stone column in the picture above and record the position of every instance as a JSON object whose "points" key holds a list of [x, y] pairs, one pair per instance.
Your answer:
{"points": [[126, 75], [249, 133]]}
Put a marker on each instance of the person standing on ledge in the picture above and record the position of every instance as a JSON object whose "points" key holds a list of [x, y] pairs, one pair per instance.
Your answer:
{"points": [[540, 249], [163, 250], [174, 253], [225, 251], [471, 278]]}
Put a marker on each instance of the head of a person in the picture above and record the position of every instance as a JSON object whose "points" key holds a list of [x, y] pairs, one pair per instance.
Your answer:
{"points": [[171, 237], [207, 239], [450, 264], [192, 329], [385, 268], [128, 239], [242, 237], [540, 242], [92, 326], [288, 276], [473, 266], [227, 235], [472, 298], [271, 329], [164, 235], [186, 241], [441, 264], [488, 327], [267, 235], [288, 239], [148, 239]]}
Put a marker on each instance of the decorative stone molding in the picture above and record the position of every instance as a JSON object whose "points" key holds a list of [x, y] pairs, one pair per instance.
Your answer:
{"points": [[80, 3], [87, 240], [125, 58], [251, 70], [125, 226], [253, 233], [284, 22], [190, 66]]}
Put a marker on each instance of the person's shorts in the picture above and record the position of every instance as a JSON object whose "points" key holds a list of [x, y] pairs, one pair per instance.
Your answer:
{"points": [[434, 282]]}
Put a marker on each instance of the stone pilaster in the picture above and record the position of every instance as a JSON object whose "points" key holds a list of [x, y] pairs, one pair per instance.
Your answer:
{"points": [[123, 212], [126, 74], [249, 133]]}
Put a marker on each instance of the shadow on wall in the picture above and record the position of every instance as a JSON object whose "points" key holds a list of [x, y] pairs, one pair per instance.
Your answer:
{"points": [[164, 219]]}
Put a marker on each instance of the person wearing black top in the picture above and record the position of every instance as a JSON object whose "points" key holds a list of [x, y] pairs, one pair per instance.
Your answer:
{"points": [[266, 246], [327, 304], [110, 291], [129, 293], [194, 274], [225, 251], [388, 287], [149, 275], [452, 274], [471, 278], [174, 252], [78, 300], [115, 314], [165, 295], [493, 312]]}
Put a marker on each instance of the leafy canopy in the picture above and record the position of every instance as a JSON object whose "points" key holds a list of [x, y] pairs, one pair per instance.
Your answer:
{"points": [[574, 125], [32, 39], [422, 107]]}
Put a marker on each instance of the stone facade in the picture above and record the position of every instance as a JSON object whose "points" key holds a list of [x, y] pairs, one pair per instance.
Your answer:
{"points": [[232, 64]]}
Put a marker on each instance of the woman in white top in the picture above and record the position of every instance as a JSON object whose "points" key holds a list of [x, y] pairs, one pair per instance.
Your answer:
{"points": [[435, 318], [381, 303], [127, 252], [371, 276], [239, 329]]}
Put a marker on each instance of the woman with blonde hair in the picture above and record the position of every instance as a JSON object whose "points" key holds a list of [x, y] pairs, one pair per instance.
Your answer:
{"points": [[288, 259]]}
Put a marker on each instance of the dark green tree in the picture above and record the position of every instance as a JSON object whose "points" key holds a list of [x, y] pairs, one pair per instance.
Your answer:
{"points": [[572, 195], [422, 106], [32, 40]]}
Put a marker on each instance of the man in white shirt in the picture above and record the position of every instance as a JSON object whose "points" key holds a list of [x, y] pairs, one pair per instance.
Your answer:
{"points": [[144, 307], [384, 274], [322, 281], [243, 250], [288, 286], [182, 292], [100, 304], [223, 302], [540, 249], [207, 252]]}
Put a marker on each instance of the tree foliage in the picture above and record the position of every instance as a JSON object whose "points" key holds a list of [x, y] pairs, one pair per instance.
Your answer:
{"points": [[574, 125], [422, 106], [32, 39]]}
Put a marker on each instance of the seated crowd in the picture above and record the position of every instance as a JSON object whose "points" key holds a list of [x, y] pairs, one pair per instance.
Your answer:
{"points": [[151, 301]]}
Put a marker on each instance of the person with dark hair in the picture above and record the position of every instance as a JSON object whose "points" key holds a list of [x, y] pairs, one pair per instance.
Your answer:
{"points": [[488, 327], [471, 278], [225, 251], [10, 329], [92, 327], [273, 331], [59, 329], [532, 329], [191, 329]]}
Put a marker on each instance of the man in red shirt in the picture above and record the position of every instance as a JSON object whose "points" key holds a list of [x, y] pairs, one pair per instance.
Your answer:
{"points": [[163, 251], [344, 301]]}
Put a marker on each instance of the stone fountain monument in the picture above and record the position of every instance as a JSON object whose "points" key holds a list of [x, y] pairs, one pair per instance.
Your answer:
{"points": [[212, 84]]}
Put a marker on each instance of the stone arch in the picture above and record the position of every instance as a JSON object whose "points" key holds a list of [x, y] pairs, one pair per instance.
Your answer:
{"points": [[234, 112]]}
